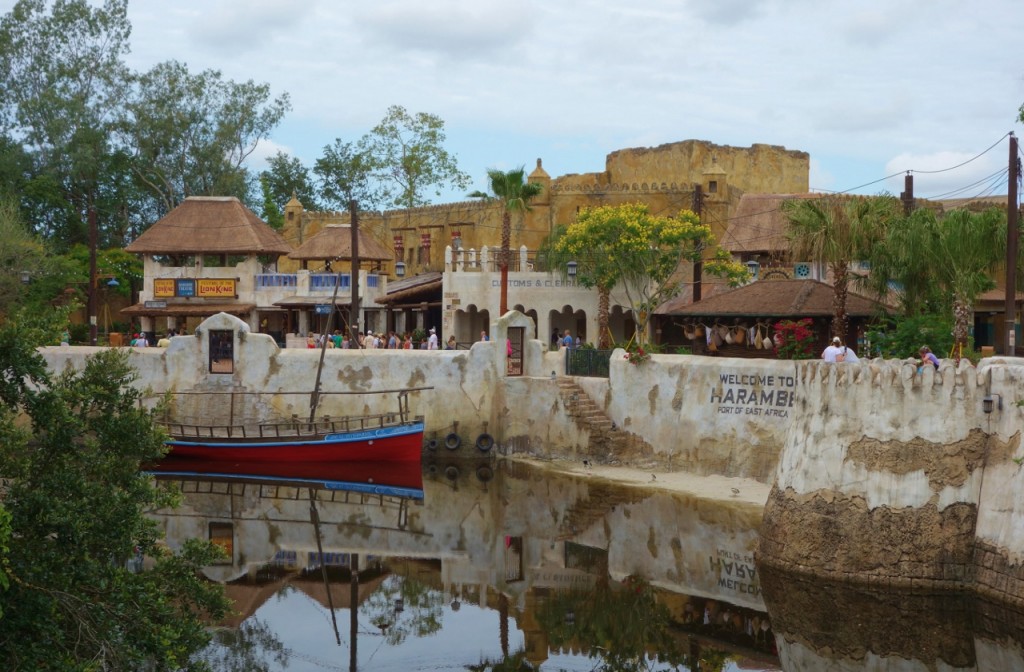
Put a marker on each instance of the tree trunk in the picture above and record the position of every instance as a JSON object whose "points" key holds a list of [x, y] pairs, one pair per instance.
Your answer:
{"points": [[604, 337], [506, 243], [961, 319], [840, 320]]}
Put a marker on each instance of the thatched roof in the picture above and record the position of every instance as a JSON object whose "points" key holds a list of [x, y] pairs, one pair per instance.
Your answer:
{"points": [[774, 298], [210, 225], [422, 287], [335, 242], [759, 224]]}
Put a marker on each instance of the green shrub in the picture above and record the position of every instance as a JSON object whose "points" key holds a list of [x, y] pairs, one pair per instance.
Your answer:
{"points": [[901, 337]]}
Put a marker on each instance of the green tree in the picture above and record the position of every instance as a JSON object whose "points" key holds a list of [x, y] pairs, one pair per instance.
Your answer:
{"points": [[72, 604], [408, 157], [627, 244], [515, 194], [837, 230], [345, 173], [956, 254], [190, 134], [272, 214], [286, 176], [63, 77]]}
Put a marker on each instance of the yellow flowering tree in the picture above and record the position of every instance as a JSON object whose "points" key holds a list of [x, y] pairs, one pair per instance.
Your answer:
{"points": [[626, 244]]}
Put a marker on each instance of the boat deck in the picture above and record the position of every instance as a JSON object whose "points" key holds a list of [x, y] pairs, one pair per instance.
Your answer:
{"points": [[289, 430]]}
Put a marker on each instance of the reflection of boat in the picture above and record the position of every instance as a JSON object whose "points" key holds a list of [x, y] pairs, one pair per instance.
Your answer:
{"points": [[385, 437], [397, 478]]}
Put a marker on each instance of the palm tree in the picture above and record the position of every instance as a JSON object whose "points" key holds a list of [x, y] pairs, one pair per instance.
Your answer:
{"points": [[942, 263], [837, 230], [964, 252], [515, 194]]}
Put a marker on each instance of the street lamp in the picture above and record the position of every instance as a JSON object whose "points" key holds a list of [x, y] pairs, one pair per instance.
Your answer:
{"points": [[754, 268], [113, 283], [400, 269], [570, 269], [992, 400], [26, 277]]}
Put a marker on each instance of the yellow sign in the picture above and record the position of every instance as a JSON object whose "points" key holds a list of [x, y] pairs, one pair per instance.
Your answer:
{"points": [[163, 287], [217, 288]]}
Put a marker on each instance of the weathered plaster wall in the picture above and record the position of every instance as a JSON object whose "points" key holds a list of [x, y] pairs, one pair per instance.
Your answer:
{"points": [[898, 477], [706, 415]]}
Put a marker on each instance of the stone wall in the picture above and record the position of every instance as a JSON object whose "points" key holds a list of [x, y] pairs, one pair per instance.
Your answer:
{"points": [[882, 474], [663, 177], [897, 477]]}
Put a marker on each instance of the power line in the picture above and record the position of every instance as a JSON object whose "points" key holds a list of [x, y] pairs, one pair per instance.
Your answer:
{"points": [[950, 194], [978, 156]]}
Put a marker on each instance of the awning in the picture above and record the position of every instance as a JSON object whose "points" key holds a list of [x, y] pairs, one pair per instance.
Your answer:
{"points": [[189, 309], [311, 302], [424, 286]]}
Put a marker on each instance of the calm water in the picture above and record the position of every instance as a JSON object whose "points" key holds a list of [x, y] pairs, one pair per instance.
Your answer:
{"points": [[479, 563]]}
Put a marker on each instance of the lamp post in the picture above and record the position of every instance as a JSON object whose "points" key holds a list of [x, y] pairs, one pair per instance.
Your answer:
{"points": [[570, 270], [754, 268], [92, 275]]}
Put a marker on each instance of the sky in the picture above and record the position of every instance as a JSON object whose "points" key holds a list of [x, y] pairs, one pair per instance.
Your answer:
{"points": [[869, 89]]}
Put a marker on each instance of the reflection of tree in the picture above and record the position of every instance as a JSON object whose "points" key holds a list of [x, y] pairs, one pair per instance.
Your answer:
{"points": [[250, 648], [621, 623], [517, 662], [419, 614]]}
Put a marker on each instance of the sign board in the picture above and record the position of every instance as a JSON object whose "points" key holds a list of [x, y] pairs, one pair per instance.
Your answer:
{"points": [[323, 309], [216, 287], [163, 287], [185, 287], [155, 304]]}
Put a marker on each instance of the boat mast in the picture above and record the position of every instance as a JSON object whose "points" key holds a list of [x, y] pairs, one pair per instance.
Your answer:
{"points": [[314, 398]]}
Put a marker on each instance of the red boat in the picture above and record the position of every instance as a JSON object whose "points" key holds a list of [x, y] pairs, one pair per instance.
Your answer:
{"points": [[324, 441], [387, 437]]}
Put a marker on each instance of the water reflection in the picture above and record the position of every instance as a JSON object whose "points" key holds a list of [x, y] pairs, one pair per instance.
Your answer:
{"points": [[496, 565]]}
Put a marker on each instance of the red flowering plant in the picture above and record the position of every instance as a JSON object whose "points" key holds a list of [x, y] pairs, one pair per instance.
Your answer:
{"points": [[638, 356], [794, 339]]}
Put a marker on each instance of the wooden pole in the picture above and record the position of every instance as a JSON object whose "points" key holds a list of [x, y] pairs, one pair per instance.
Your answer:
{"points": [[1012, 234]]}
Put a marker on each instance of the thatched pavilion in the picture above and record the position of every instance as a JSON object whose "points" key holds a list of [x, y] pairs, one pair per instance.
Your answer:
{"points": [[203, 258]]}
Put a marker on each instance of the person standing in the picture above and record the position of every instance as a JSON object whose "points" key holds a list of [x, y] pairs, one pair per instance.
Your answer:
{"points": [[432, 341], [833, 349], [567, 341]]}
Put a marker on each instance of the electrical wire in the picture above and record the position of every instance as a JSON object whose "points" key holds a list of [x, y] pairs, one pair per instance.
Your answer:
{"points": [[950, 194], [974, 158]]}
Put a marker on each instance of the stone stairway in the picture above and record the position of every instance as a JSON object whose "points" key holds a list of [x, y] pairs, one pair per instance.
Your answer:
{"points": [[608, 443]]}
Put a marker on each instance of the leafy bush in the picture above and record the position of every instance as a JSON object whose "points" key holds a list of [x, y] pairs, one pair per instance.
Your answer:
{"points": [[900, 337]]}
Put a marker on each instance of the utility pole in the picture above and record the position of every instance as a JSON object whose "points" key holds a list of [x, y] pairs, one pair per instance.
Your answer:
{"points": [[908, 194], [698, 265], [353, 313], [1012, 234]]}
